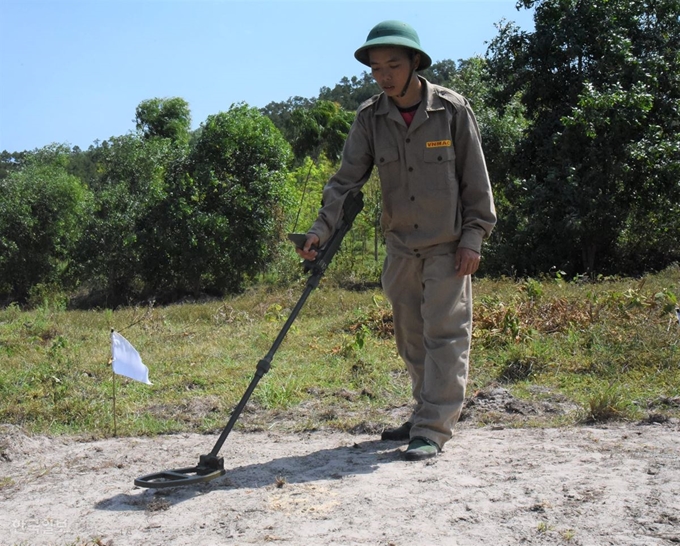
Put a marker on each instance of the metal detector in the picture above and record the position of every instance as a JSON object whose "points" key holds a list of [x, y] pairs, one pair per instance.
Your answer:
{"points": [[211, 466]]}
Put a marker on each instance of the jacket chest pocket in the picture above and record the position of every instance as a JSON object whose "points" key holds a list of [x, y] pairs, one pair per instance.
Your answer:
{"points": [[386, 156], [439, 167], [387, 161]]}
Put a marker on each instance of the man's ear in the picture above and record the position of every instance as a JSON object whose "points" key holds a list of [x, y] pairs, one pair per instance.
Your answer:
{"points": [[416, 61]]}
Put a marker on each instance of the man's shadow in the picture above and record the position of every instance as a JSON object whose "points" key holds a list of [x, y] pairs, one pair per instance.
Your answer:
{"points": [[326, 464]]}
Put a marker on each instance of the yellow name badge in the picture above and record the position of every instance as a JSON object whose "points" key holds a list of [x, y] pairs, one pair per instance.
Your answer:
{"points": [[438, 144]]}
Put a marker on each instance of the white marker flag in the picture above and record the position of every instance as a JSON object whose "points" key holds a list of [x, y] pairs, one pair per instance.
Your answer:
{"points": [[126, 360]]}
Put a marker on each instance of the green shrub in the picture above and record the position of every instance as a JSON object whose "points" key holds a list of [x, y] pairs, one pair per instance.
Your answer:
{"points": [[42, 212], [608, 404], [234, 194]]}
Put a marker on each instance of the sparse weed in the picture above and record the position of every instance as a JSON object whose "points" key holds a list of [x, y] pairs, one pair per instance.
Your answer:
{"points": [[519, 369], [608, 404], [533, 288], [544, 527], [583, 341]]}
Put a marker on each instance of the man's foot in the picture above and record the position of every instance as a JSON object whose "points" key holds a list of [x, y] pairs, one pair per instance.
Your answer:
{"points": [[420, 448], [399, 434]]}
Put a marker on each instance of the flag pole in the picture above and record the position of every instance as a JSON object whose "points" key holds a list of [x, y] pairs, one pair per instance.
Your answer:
{"points": [[115, 424]]}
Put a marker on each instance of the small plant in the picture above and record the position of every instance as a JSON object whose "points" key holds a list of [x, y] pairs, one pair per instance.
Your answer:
{"points": [[544, 527], [378, 321], [533, 288], [360, 337], [356, 343], [667, 299], [568, 534], [559, 277], [511, 324], [519, 369], [609, 404], [634, 299]]}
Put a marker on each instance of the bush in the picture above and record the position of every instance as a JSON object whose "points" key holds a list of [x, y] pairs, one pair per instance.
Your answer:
{"points": [[228, 209], [177, 218], [42, 210], [122, 230]]}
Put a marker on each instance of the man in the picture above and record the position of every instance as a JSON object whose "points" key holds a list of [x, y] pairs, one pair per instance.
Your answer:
{"points": [[437, 209]]}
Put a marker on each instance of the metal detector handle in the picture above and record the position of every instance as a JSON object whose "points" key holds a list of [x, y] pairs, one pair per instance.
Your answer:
{"points": [[352, 206], [211, 466]]}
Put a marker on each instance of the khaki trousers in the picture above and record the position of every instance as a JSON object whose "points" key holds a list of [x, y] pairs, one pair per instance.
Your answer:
{"points": [[432, 326]]}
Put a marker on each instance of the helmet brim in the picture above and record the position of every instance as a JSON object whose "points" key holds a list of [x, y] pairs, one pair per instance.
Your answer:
{"points": [[361, 54]]}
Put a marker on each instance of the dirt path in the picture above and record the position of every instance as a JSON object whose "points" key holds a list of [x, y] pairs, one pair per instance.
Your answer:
{"points": [[588, 486]]}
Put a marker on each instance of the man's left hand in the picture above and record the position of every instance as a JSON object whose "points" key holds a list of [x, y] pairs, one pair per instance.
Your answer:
{"points": [[467, 261]]}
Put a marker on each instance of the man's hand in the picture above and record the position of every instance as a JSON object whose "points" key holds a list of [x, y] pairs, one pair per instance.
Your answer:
{"points": [[308, 251], [467, 261]]}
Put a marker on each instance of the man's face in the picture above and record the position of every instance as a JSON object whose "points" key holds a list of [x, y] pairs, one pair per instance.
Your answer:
{"points": [[390, 67]]}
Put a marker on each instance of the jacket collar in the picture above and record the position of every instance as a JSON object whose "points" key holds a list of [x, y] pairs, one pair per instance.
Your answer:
{"points": [[431, 103], [430, 97]]}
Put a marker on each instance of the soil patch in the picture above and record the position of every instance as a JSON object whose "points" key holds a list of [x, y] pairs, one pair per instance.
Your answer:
{"points": [[618, 484]]}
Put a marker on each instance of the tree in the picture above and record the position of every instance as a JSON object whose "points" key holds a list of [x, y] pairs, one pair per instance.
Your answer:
{"points": [[131, 184], [42, 213], [224, 212], [349, 93], [176, 217], [323, 128], [280, 112], [11, 162], [164, 118], [441, 72], [501, 128], [600, 83]]}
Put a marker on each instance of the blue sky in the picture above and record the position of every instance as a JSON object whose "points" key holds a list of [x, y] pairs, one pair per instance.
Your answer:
{"points": [[73, 71]]}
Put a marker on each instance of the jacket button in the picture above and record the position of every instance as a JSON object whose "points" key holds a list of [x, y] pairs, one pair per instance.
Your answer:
{"points": [[439, 158], [382, 160], [408, 141], [416, 226], [417, 255], [410, 169], [413, 198]]}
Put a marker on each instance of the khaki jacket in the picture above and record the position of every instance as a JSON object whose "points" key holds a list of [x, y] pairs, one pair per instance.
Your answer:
{"points": [[435, 187]]}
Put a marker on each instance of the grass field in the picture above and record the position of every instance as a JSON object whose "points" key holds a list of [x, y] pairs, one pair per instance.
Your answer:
{"points": [[611, 347]]}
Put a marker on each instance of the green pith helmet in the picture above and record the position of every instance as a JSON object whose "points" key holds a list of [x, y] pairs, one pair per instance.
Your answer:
{"points": [[392, 33]]}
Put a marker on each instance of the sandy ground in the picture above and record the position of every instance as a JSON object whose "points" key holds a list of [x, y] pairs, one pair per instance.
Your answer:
{"points": [[618, 485]]}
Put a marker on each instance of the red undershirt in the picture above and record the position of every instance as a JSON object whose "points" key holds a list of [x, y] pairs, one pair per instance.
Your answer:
{"points": [[408, 113]]}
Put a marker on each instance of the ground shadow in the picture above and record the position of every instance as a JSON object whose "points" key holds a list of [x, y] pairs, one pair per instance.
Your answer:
{"points": [[359, 458], [326, 464]]}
